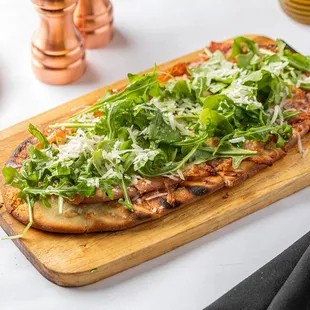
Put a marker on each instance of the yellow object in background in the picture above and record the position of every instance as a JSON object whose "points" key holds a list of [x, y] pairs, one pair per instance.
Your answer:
{"points": [[297, 9]]}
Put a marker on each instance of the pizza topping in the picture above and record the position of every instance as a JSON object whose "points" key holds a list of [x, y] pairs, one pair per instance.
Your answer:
{"points": [[156, 196], [302, 151], [153, 135]]}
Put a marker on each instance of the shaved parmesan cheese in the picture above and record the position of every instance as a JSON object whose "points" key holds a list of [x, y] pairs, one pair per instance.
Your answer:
{"points": [[275, 67], [208, 52], [135, 179], [172, 121], [301, 150], [299, 143], [133, 133], [265, 51], [305, 78], [135, 198], [305, 153], [143, 157], [217, 67], [60, 204], [241, 94], [172, 177], [237, 140], [275, 114], [156, 196], [283, 103], [298, 83], [293, 74], [87, 117], [92, 182], [78, 145], [180, 173], [111, 173]]}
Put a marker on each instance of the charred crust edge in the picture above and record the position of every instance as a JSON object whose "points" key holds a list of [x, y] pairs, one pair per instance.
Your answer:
{"points": [[141, 216], [18, 150], [167, 205], [198, 190]]}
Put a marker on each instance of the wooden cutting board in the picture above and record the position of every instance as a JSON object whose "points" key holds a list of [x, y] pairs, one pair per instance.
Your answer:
{"points": [[76, 260]]}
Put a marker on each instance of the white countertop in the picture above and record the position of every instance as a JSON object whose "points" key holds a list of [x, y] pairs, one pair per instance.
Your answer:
{"points": [[193, 275]]}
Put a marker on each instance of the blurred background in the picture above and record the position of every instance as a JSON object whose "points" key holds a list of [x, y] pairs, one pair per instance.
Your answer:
{"points": [[146, 32]]}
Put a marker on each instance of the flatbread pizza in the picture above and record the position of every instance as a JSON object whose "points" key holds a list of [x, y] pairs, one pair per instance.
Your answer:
{"points": [[164, 141]]}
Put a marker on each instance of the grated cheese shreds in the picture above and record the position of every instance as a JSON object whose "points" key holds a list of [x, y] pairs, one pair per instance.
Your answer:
{"points": [[78, 144], [302, 151], [60, 204], [275, 114], [241, 94], [299, 143], [156, 196], [172, 177], [237, 140], [180, 173], [275, 67]]}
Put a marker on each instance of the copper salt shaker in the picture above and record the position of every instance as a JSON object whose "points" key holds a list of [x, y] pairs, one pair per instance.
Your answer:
{"points": [[94, 19], [58, 51]]}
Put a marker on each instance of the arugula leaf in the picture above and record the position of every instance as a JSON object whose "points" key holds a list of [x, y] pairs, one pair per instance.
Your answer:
{"points": [[289, 114], [39, 135], [241, 43], [244, 61], [149, 170], [206, 153], [277, 89], [193, 140], [216, 101], [159, 130], [305, 86], [215, 87], [253, 77], [298, 61], [118, 114], [215, 122], [62, 170], [12, 177], [126, 201], [146, 84], [263, 133], [36, 155], [281, 47], [64, 190], [182, 89], [106, 186], [99, 163]]}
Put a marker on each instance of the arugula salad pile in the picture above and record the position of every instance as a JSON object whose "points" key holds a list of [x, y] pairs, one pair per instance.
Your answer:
{"points": [[151, 129]]}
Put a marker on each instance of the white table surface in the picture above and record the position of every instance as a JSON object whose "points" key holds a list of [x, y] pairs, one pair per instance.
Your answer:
{"points": [[193, 275]]}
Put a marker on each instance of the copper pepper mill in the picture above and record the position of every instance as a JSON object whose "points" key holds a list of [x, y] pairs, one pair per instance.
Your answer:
{"points": [[94, 19], [58, 52]]}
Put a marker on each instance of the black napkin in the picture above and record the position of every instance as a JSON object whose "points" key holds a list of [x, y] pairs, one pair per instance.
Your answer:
{"points": [[281, 284]]}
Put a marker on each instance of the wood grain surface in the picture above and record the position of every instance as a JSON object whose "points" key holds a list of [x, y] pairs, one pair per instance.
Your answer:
{"points": [[76, 260]]}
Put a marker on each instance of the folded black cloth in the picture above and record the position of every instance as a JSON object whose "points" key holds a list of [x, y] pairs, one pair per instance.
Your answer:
{"points": [[281, 284]]}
